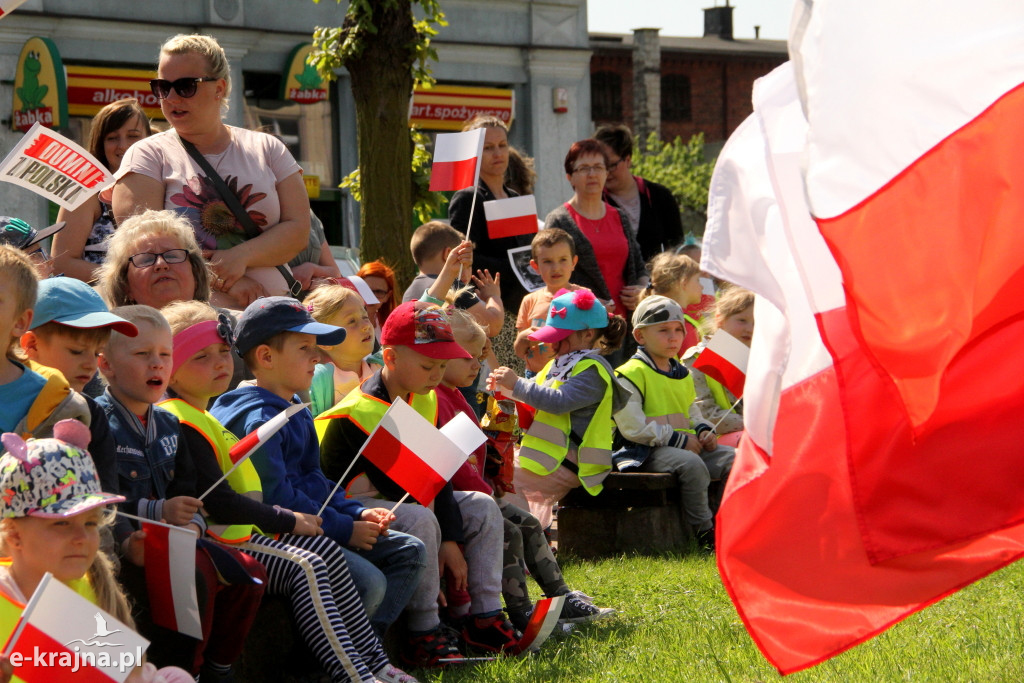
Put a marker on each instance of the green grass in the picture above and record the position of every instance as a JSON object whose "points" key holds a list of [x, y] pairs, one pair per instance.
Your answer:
{"points": [[677, 624]]}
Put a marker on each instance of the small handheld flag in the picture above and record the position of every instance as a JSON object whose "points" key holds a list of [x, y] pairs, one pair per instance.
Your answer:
{"points": [[512, 216], [724, 359], [456, 160]]}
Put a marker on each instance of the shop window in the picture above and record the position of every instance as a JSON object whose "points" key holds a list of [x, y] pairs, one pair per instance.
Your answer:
{"points": [[606, 96], [675, 98]]}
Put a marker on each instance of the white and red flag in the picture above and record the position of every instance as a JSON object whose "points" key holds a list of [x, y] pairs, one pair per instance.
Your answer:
{"points": [[724, 359], [510, 217], [8, 6], [61, 636], [416, 455], [456, 160], [813, 557], [170, 553]]}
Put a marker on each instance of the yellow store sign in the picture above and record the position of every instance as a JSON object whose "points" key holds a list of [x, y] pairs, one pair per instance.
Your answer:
{"points": [[40, 93]]}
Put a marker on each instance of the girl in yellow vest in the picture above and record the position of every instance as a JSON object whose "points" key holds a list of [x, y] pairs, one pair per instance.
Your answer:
{"points": [[302, 564], [51, 517], [569, 442], [678, 277], [662, 428], [734, 312]]}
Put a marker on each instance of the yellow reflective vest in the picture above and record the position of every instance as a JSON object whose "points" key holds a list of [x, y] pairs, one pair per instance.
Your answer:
{"points": [[244, 480], [367, 411], [718, 393], [546, 442], [666, 400]]}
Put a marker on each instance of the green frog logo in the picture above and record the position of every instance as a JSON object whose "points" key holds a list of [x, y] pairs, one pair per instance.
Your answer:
{"points": [[32, 93]]}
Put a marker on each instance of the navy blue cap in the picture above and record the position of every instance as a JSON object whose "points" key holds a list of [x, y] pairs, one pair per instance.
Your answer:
{"points": [[271, 315]]}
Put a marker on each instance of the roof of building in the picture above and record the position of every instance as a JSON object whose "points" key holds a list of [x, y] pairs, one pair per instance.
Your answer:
{"points": [[705, 45]]}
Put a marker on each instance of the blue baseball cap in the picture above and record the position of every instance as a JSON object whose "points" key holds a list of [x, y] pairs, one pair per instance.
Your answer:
{"points": [[271, 315], [569, 312], [71, 302]]}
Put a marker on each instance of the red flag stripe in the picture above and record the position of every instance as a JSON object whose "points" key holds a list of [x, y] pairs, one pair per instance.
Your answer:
{"points": [[32, 638], [158, 576], [403, 466], [509, 227], [721, 369], [448, 176]]}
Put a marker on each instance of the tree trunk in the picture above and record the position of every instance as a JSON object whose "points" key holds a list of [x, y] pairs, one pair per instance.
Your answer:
{"points": [[382, 86]]}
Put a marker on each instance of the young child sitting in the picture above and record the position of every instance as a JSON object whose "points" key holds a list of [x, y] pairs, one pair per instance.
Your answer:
{"points": [[70, 327], [278, 339], [342, 307], [661, 423], [677, 277], [442, 253], [569, 442], [734, 313], [553, 254], [32, 403], [524, 538], [57, 530], [418, 343], [157, 477], [303, 565]]}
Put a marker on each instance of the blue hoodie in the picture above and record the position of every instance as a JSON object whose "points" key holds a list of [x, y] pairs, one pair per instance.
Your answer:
{"points": [[289, 463]]}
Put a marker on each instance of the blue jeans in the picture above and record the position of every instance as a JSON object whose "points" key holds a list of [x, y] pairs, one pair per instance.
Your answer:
{"points": [[387, 575]]}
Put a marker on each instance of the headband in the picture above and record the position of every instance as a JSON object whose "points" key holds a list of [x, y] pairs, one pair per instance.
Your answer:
{"points": [[192, 339]]}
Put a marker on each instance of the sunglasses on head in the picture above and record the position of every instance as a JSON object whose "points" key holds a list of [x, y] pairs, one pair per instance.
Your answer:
{"points": [[185, 87]]}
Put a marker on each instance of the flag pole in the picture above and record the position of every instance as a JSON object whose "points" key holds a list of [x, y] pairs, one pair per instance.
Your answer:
{"points": [[400, 501], [26, 613], [143, 520], [320, 512], [227, 474], [472, 208], [731, 408]]}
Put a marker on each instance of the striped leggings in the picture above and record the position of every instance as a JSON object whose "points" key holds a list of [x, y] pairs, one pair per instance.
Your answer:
{"points": [[311, 572]]}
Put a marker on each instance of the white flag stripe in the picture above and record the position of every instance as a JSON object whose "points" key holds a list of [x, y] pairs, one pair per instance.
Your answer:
{"points": [[892, 81], [730, 348], [271, 426], [431, 445], [181, 545], [513, 207], [464, 433], [451, 147]]}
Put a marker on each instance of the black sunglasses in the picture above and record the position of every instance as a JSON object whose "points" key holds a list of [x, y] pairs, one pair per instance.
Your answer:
{"points": [[185, 87]]}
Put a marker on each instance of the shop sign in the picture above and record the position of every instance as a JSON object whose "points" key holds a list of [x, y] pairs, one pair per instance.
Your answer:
{"points": [[312, 183], [448, 107], [301, 83], [90, 88], [40, 95]]}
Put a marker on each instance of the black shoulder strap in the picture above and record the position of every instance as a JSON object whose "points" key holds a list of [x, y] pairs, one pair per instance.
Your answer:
{"points": [[229, 197]]}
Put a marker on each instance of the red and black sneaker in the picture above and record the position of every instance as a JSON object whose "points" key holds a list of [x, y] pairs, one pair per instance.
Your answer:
{"points": [[491, 633], [429, 649]]}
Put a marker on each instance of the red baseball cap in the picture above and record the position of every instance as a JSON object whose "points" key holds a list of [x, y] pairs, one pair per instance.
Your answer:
{"points": [[423, 328]]}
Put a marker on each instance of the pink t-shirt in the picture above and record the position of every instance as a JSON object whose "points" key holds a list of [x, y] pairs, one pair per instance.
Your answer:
{"points": [[252, 166], [611, 249]]}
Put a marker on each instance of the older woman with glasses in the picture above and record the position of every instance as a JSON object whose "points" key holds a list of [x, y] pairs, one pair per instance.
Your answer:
{"points": [[609, 264], [186, 169], [153, 259]]}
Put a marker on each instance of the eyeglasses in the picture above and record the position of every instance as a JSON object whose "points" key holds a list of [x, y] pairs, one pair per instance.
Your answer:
{"points": [[185, 87], [613, 165], [588, 170], [380, 293], [170, 257]]}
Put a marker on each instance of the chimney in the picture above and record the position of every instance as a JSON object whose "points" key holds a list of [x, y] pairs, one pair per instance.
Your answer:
{"points": [[757, 32], [646, 84], [718, 22]]}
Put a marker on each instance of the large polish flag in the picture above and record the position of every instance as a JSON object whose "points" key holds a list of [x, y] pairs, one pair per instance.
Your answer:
{"points": [[510, 217], [724, 359], [792, 551], [915, 181], [456, 157], [416, 455], [170, 554], [78, 641], [8, 6]]}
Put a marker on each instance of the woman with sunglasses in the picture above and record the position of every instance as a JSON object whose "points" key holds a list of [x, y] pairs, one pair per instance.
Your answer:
{"points": [[81, 246], [610, 264], [194, 85]]}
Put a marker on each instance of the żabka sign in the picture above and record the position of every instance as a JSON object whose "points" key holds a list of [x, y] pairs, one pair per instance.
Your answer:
{"points": [[40, 95], [90, 88], [301, 83]]}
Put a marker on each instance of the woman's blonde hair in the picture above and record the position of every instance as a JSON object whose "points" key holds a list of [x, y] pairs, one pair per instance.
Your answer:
{"points": [[113, 274], [325, 301], [21, 284], [733, 299], [182, 315], [667, 270], [209, 49]]}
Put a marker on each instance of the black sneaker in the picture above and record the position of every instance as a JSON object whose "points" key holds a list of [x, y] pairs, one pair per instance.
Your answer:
{"points": [[492, 634], [428, 649], [706, 540], [520, 617], [578, 609]]}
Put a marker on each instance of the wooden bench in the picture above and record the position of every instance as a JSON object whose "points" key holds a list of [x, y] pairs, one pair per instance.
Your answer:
{"points": [[636, 512]]}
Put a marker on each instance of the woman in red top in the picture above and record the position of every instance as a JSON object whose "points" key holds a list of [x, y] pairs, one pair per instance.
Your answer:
{"points": [[610, 264]]}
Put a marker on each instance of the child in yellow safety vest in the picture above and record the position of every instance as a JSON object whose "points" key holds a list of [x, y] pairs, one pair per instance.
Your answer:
{"points": [[303, 565], [50, 521], [664, 431], [569, 441]]}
